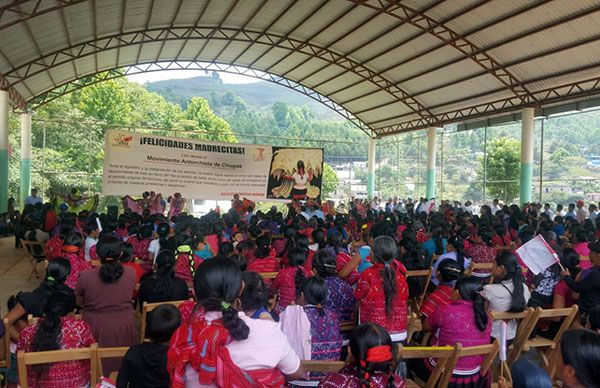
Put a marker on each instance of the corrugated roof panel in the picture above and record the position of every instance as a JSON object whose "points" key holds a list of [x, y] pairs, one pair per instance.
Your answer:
{"points": [[446, 9], [216, 12], [351, 94], [426, 61], [560, 36], [308, 67], [171, 49], [383, 44], [473, 102], [40, 83], [63, 74], [190, 49], [48, 32], [254, 52], [241, 13], [421, 45], [384, 112], [107, 59], [163, 13], [295, 14], [446, 74], [148, 52], [211, 49], [558, 63], [483, 84], [108, 17], [341, 82], [327, 18], [580, 75], [232, 51], [136, 15], [546, 14], [85, 65], [190, 11], [17, 46], [360, 34], [80, 22]]}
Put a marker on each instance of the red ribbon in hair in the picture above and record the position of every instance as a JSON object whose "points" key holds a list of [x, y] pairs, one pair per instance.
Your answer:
{"points": [[380, 353], [70, 248]]}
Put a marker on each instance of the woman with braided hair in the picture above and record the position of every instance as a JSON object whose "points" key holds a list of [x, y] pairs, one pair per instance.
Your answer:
{"points": [[57, 330], [186, 261], [372, 361], [226, 348], [163, 286]]}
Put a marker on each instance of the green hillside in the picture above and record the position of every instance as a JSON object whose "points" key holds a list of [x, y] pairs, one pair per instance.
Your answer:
{"points": [[259, 94]]}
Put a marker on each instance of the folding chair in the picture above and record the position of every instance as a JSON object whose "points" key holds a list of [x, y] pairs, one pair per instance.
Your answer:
{"points": [[108, 353], [36, 358], [528, 319], [489, 351], [347, 326], [35, 252], [148, 307], [426, 273], [446, 357], [414, 325], [6, 346], [548, 348]]}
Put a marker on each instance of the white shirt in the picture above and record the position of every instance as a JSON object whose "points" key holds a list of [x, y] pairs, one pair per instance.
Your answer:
{"points": [[154, 248], [550, 214], [89, 243], [495, 208], [500, 298], [265, 348], [300, 180]]}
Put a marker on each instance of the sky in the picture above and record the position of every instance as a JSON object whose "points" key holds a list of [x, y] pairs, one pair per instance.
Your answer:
{"points": [[227, 78]]}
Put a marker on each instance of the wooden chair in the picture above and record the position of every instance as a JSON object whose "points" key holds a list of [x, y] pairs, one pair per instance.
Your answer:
{"points": [[268, 275], [36, 358], [322, 366], [148, 307], [96, 263], [487, 266], [446, 357], [347, 326], [36, 259], [548, 348], [108, 353], [6, 346], [414, 325], [528, 319], [31, 320], [425, 273], [489, 351]]}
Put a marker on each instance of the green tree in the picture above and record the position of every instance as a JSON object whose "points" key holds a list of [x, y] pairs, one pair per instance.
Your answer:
{"points": [[280, 112], [503, 165], [330, 181], [202, 118], [106, 101]]}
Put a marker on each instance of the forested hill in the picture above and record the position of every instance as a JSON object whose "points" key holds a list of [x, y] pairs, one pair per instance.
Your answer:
{"points": [[258, 94]]}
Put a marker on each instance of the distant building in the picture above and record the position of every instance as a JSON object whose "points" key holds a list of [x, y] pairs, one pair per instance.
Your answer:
{"points": [[594, 197], [553, 188]]}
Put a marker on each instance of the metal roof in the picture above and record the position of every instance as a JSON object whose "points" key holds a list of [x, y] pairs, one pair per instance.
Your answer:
{"points": [[391, 66]]}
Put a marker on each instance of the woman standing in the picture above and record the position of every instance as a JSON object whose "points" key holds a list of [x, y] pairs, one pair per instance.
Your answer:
{"points": [[104, 294]]}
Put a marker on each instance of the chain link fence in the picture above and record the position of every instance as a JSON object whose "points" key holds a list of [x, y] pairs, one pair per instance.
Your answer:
{"points": [[466, 161]]}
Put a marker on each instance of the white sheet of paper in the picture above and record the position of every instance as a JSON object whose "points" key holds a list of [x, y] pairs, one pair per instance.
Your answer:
{"points": [[537, 254]]}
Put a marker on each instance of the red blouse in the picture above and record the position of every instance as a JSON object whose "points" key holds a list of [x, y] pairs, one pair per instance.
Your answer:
{"points": [[442, 296], [183, 266], [266, 264], [285, 285], [371, 298], [75, 334]]}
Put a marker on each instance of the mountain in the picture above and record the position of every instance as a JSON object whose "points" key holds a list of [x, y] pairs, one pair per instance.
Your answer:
{"points": [[259, 94]]}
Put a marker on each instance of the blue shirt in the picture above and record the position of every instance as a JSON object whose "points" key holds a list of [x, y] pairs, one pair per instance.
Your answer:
{"points": [[429, 247], [31, 200]]}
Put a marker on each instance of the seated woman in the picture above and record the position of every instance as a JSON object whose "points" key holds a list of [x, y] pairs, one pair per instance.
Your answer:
{"points": [[507, 293], [463, 321], [163, 286], [72, 250], [371, 362], [34, 302], [448, 272], [57, 331], [104, 294], [245, 350], [255, 297], [289, 280], [340, 298], [436, 245], [482, 251], [186, 261]]}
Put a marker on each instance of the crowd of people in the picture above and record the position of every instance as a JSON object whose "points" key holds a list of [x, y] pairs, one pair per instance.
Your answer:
{"points": [[333, 266]]}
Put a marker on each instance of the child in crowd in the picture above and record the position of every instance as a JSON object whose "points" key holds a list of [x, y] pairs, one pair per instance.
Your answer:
{"points": [[325, 333], [141, 242], [264, 259], [382, 291], [289, 280], [186, 261], [255, 297], [72, 251], [372, 361], [340, 296], [93, 232], [145, 365]]}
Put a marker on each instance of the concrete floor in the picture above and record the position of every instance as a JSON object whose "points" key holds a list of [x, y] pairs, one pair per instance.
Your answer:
{"points": [[15, 268]]}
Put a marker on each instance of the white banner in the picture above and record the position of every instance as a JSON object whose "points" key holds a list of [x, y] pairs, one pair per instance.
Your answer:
{"points": [[137, 162]]}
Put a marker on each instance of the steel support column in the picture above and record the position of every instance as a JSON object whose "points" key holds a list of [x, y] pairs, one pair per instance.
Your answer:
{"points": [[371, 167], [4, 105], [430, 180], [25, 184], [526, 178]]}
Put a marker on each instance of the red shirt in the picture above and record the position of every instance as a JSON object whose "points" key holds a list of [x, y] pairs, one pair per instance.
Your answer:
{"points": [[51, 221], [342, 259], [52, 249], [265, 264], [309, 260], [140, 247], [371, 298], [442, 296], [75, 334], [285, 285], [183, 266], [78, 265]]}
